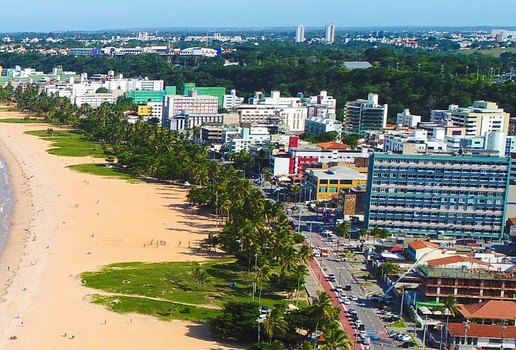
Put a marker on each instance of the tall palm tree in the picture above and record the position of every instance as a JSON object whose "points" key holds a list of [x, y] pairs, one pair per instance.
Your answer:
{"points": [[449, 307], [323, 310], [335, 339], [275, 323]]}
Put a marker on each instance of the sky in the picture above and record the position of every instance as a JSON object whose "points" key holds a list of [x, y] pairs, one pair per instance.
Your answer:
{"points": [[64, 15]]}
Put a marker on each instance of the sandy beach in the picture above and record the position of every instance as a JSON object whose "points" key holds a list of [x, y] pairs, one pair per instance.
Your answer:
{"points": [[65, 223]]}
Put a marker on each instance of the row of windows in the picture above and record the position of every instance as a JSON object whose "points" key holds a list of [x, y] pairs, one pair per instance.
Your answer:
{"points": [[438, 193], [487, 184], [336, 182]]}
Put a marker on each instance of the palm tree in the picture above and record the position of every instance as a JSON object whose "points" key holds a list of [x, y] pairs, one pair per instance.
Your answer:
{"points": [[323, 310], [262, 274], [335, 339], [275, 323], [342, 231], [449, 307]]}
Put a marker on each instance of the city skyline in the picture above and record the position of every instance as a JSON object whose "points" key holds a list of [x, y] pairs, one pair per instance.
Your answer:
{"points": [[90, 15]]}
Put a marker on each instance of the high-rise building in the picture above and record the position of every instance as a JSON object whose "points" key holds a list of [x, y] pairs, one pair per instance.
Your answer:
{"points": [[432, 195], [481, 118], [363, 115], [329, 37], [300, 34]]}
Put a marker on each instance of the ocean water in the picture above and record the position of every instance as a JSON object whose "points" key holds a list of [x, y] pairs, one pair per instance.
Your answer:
{"points": [[6, 203]]}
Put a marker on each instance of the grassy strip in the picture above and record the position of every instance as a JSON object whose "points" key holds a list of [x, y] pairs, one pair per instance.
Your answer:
{"points": [[22, 120], [173, 282], [163, 310], [70, 143], [102, 170]]}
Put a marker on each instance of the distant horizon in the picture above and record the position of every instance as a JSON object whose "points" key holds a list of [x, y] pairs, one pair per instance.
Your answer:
{"points": [[36, 16], [262, 28]]}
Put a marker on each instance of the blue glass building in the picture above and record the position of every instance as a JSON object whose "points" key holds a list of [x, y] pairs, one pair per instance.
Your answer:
{"points": [[430, 195]]}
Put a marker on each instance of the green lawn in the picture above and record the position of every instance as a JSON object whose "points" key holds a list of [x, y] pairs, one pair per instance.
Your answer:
{"points": [[101, 170], [172, 287], [22, 120], [164, 310], [70, 143]]}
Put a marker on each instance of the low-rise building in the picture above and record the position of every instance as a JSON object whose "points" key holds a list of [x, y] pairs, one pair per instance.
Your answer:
{"points": [[471, 336], [187, 121], [327, 183]]}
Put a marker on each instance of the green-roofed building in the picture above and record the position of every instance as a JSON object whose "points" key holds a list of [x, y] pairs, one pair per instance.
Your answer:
{"points": [[143, 96], [216, 91]]}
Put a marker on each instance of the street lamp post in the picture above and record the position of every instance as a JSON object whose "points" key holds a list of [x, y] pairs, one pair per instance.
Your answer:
{"points": [[466, 329], [259, 323]]}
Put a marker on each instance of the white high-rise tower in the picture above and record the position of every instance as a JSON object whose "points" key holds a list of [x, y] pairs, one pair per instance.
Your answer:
{"points": [[300, 34], [329, 38]]}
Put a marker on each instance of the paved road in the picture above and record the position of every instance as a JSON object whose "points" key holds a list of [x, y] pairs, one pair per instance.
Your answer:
{"points": [[344, 273]]}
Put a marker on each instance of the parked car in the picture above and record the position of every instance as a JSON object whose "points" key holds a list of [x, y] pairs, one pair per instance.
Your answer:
{"points": [[326, 233], [366, 341], [408, 344], [354, 298], [347, 287], [346, 301]]}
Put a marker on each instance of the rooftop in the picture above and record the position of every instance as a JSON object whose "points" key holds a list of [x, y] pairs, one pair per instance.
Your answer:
{"points": [[477, 274], [482, 330], [455, 259], [332, 145], [419, 244], [338, 173], [491, 309]]}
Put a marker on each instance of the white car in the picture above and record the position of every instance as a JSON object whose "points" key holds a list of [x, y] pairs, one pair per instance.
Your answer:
{"points": [[354, 298], [326, 232], [346, 301]]}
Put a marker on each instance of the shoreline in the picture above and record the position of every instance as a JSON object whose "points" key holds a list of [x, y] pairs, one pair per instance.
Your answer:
{"points": [[21, 217], [83, 222]]}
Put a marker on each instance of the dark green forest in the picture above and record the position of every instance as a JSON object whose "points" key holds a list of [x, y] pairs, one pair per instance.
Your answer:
{"points": [[404, 78]]}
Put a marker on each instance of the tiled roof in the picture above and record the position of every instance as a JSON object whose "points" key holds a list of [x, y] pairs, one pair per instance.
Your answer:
{"points": [[332, 145], [455, 259], [418, 244], [482, 330], [492, 309], [512, 221]]}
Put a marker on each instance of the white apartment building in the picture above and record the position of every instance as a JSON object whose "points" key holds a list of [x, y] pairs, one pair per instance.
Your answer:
{"points": [[257, 113], [300, 34], [232, 101], [329, 37], [405, 119], [277, 100], [176, 104], [95, 100], [133, 84], [481, 118], [185, 121], [363, 115], [322, 125], [416, 141], [293, 118], [254, 135]]}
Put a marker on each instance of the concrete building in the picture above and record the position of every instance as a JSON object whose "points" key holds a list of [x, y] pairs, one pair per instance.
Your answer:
{"points": [[430, 195], [327, 183], [217, 91], [416, 141], [175, 104], [300, 34], [232, 101], [363, 115], [95, 99], [470, 336], [186, 121], [405, 119], [249, 137], [481, 118], [329, 36], [466, 281], [322, 125], [293, 118]]}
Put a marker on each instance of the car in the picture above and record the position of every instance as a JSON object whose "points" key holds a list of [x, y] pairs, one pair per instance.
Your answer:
{"points": [[338, 288], [408, 344], [347, 287], [354, 298], [362, 334], [361, 327], [366, 341], [186, 184], [405, 338], [330, 240], [326, 232], [346, 301]]}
